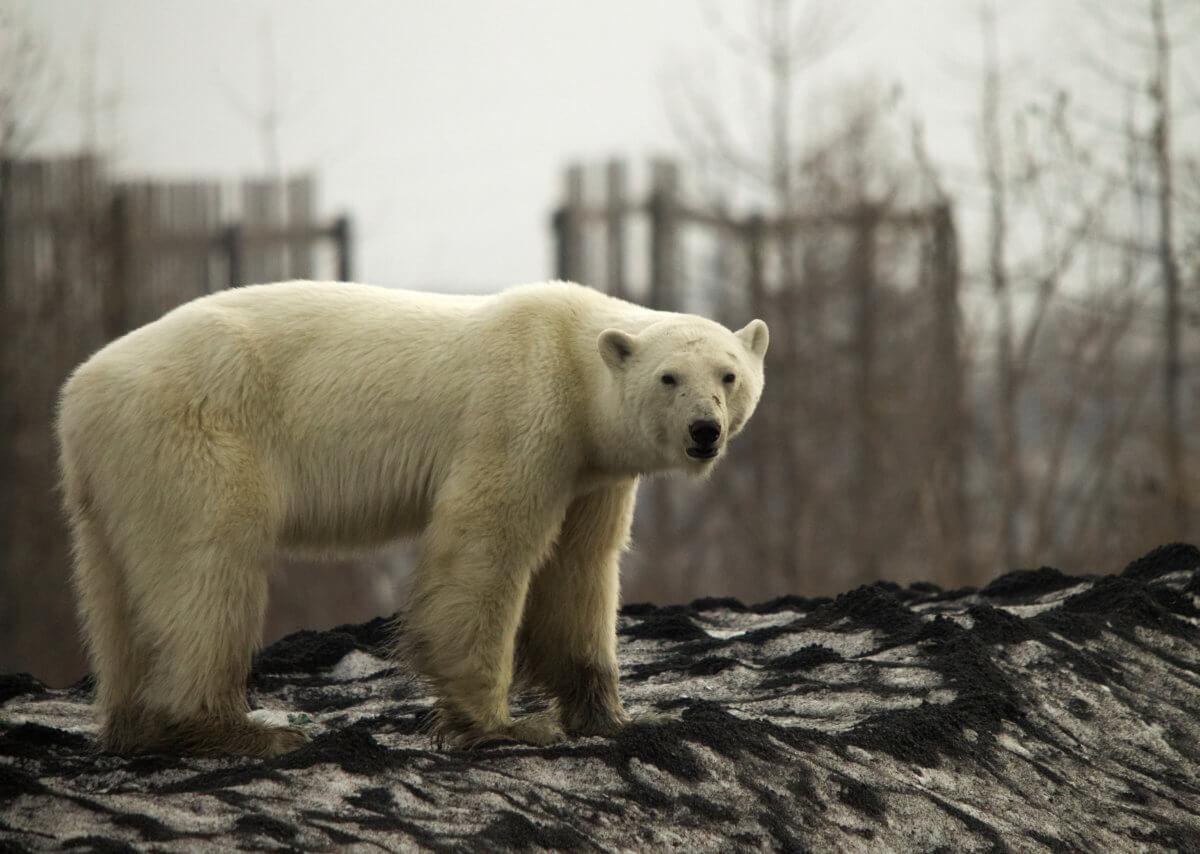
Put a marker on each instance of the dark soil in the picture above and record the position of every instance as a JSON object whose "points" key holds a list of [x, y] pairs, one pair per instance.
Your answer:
{"points": [[1041, 712]]}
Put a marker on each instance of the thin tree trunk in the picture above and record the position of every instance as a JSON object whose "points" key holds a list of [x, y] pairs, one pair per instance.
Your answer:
{"points": [[1009, 462], [1173, 457]]}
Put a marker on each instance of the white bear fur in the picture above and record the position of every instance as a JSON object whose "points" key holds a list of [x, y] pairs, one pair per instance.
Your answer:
{"points": [[508, 430]]}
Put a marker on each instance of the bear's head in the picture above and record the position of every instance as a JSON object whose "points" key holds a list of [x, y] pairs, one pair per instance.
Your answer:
{"points": [[688, 384]]}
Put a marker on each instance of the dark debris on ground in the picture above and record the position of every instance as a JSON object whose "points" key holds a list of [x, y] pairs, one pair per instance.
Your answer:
{"points": [[1042, 712]]}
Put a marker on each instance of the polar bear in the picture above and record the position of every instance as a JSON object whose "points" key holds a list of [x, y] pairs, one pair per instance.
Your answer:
{"points": [[508, 431]]}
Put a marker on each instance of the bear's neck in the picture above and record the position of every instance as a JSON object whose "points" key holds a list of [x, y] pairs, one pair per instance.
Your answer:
{"points": [[614, 450]]}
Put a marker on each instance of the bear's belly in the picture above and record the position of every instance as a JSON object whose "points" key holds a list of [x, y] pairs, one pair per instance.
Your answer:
{"points": [[333, 529], [345, 506]]}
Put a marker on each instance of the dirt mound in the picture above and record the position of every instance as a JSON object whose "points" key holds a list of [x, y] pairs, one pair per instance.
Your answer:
{"points": [[1041, 712]]}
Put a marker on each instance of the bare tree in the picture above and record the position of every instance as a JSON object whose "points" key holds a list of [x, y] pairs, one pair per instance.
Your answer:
{"points": [[1159, 41], [1067, 251], [268, 112], [27, 83], [833, 240], [1160, 95], [757, 159], [996, 177]]}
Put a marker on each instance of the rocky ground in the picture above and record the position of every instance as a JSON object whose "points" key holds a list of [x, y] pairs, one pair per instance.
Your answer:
{"points": [[1043, 712]]}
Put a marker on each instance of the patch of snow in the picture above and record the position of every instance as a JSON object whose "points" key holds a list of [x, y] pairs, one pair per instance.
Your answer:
{"points": [[357, 664]]}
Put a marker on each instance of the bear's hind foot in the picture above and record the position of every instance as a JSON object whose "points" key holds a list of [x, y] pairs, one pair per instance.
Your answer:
{"points": [[655, 718], [608, 725], [284, 739], [200, 737], [241, 738], [539, 729]]}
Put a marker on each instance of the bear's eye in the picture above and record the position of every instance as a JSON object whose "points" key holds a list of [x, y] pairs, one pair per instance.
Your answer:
{"points": [[668, 379], [728, 379]]}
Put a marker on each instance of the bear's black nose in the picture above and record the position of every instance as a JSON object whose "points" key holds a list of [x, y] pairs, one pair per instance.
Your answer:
{"points": [[705, 432]]}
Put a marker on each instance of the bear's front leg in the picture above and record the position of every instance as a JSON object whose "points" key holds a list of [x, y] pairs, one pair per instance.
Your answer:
{"points": [[568, 639], [465, 603]]}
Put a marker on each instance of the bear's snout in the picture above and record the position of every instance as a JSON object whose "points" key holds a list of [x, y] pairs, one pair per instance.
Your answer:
{"points": [[704, 432]]}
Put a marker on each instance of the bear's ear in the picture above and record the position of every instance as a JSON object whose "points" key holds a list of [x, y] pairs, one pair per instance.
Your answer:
{"points": [[615, 347], [755, 336]]}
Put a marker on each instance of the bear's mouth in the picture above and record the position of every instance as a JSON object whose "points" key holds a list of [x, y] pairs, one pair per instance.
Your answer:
{"points": [[703, 452]]}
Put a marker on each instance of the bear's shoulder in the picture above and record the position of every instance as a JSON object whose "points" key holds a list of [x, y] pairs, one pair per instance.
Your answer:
{"points": [[571, 305]]}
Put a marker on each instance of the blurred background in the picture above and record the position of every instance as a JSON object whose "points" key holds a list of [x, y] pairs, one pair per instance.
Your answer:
{"points": [[973, 228]]}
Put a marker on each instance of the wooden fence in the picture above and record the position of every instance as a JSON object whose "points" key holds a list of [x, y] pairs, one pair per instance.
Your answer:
{"points": [[855, 462], [84, 259]]}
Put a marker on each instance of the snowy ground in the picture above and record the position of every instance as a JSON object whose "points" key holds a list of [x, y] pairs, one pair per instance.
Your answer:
{"points": [[1041, 713]]}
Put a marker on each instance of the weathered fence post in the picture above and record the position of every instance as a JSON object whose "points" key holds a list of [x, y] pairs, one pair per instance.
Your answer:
{"points": [[866, 467], [299, 222], [568, 229], [663, 235], [771, 429], [6, 165], [343, 235], [755, 230], [231, 244], [615, 212], [558, 227], [262, 213], [661, 208], [115, 314], [949, 427], [8, 418]]}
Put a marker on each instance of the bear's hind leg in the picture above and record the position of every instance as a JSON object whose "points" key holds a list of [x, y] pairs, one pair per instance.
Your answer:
{"points": [[105, 617], [568, 637], [202, 637]]}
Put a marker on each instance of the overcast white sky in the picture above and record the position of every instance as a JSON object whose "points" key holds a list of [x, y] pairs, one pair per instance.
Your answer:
{"points": [[442, 127]]}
